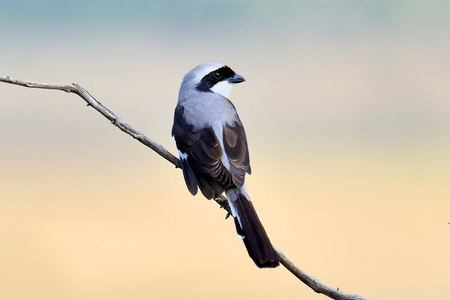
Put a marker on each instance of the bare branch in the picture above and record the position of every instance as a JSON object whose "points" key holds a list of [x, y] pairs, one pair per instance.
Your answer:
{"points": [[309, 280], [312, 282]]}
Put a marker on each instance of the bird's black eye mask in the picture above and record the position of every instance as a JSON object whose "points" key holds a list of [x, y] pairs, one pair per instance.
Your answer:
{"points": [[210, 79]]}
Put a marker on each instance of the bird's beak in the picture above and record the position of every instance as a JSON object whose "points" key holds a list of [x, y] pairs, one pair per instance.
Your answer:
{"points": [[236, 79]]}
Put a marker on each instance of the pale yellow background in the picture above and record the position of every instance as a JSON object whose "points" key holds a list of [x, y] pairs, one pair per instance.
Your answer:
{"points": [[347, 113]]}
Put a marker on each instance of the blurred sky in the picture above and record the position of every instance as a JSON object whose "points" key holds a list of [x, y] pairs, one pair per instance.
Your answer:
{"points": [[347, 112]]}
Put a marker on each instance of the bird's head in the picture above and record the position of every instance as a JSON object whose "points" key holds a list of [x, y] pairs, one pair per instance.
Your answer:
{"points": [[213, 77]]}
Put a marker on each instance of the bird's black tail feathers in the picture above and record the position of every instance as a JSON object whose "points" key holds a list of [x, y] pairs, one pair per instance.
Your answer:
{"points": [[249, 227]]}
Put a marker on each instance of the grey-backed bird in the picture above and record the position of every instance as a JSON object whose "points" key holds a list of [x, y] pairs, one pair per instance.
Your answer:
{"points": [[214, 154]]}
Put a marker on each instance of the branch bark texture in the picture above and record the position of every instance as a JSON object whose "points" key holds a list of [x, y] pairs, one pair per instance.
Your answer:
{"points": [[309, 280]]}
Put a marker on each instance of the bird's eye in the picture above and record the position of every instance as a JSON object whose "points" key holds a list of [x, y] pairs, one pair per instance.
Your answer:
{"points": [[217, 75]]}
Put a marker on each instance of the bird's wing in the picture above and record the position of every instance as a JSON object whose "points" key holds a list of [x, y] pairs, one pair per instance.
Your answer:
{"points": [[200, 154]]}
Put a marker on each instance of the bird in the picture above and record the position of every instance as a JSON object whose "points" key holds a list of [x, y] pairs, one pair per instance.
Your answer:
{"points": [[214, 154]]}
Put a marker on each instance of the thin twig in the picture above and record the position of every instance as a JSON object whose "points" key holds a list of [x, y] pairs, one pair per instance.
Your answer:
{"points": [[309, 280]]}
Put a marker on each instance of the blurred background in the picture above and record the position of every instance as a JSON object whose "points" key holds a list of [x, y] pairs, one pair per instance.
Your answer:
{"points": [[347, 113]]}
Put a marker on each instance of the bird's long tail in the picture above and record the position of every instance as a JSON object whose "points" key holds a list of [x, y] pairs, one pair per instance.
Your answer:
{"points": [[249, 227]]}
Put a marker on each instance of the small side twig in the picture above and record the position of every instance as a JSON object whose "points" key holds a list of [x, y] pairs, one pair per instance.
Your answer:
{"points": [[309, 280]]}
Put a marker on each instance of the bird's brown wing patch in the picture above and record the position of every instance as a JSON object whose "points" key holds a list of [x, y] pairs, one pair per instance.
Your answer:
{"points": [[236, 148]]}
